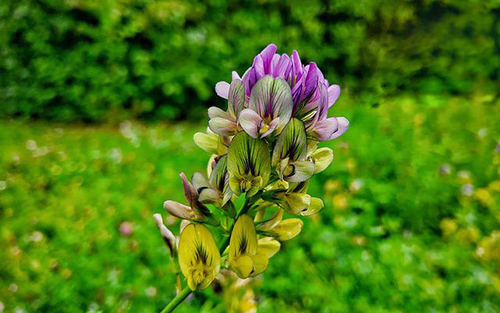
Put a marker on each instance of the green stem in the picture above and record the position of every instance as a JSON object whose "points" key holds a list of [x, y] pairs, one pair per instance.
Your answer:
{"points": [[186, 291], [177, 300]]}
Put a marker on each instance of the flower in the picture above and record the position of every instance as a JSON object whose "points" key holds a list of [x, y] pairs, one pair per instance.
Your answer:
{"points": [[199, 257], [290, 151], [295, 200], [311, 93], [226, 123], [244, 255], [248, 164], [196, 209], [269, 108]]}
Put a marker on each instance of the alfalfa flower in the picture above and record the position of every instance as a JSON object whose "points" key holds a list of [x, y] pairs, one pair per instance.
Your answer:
{"points": [[264, 151], [196, 210], [199, 257], [225, 123], [244, 255], [290, 151], [269, 108], [249, 164]]}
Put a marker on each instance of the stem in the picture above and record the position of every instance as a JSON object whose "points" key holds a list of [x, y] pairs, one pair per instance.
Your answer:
{"points": [[186, 291], [177, 300]]}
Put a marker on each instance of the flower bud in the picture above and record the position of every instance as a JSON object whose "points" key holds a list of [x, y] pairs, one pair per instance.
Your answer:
{"points": [[178, 210], [167, 235]]}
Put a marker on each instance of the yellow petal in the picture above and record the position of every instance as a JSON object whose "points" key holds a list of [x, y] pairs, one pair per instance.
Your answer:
{"points": [[243, 238], [242, 266], [199, 256], [260, 262], [268, 246], [294, 203], [273, 221], [315, 206], [322, 159], [288, 229]]}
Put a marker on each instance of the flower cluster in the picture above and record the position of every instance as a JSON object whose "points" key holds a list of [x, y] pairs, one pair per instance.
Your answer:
{"points": [[264, 152]]}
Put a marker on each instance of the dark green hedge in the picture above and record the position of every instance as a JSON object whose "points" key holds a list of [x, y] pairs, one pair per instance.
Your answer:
{"points": [[100, 60]]}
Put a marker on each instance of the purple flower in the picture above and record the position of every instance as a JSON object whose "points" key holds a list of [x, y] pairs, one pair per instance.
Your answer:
{"points": [[311, 93]]}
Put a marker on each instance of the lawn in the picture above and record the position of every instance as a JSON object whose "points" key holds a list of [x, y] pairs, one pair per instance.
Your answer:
{"points": [[411, 219]]}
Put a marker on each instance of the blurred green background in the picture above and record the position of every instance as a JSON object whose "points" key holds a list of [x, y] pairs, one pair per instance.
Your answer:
{"points": [[99, 101]]}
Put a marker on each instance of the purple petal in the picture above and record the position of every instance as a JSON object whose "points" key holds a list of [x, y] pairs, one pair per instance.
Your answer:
{"points": [[234, 75], [282, 65], [297, 68], [310, 82], [222, 89], [343, 126], [267, 56], [189, 191], [250, 121], [333, 94], [323, 130]]}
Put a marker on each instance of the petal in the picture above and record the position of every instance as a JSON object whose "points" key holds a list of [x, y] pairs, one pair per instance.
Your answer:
{"points": [[178, 210], [322, 159], [273, 221], [333, 94], [214, 112], [260, 262], [294, 203], [282, 66], [271, 98], [315, 206], [268, 246], [267, 56], [271, 127], [198, 252], [243, 238], [219, 174], [323, 130], [189, 191], [291, 143], [207, 142], [236, 98], [242, 266], [288, 229], [300, 171], [234, 75], [343, 125], [248, 159], [310, 82], [250, 122], [222, 126], [167, 235], [222, 89]]}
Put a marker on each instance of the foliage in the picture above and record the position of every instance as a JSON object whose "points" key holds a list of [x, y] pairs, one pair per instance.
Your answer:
{"points": [[92, 60], [410, 220]]}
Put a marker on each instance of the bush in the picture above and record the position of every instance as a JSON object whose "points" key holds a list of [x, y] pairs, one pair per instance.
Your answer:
{"points": [[93, 61]]}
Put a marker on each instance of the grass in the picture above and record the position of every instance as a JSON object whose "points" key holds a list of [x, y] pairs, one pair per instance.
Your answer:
{"points": [[410, 224]]}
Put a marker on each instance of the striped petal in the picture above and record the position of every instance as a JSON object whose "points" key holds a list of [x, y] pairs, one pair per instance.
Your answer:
{"points": [[199, 257]]}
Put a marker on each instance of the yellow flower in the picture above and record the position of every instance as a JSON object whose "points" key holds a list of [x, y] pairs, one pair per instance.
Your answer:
{"points": [[199, 257], [244, 256]]}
